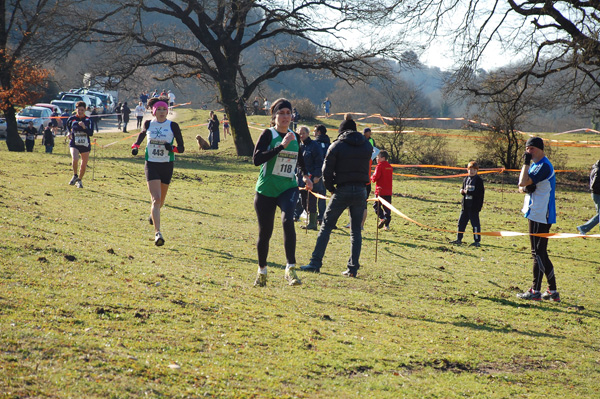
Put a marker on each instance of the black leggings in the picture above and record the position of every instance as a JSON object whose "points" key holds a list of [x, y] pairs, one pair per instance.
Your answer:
{"points": [[465, 215], [541, 263], [265, 212]]}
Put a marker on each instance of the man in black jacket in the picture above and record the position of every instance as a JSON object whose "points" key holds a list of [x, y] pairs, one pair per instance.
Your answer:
{"points": [[345, 175], [322, 139]]}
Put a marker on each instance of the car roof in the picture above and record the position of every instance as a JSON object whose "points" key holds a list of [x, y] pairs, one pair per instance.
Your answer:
{"points": [[35, 107]]}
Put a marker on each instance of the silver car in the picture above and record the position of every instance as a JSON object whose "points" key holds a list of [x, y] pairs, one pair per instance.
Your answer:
{"points": [[40, 117]]}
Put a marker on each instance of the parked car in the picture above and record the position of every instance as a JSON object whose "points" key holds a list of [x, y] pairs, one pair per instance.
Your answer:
{"points": [[96, 103], [68, 106], [3, 127], [79, 97], [108, 100], [40, 117], [53, 107]]}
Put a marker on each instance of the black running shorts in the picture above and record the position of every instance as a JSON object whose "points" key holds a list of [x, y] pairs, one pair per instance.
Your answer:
{"points": [[162, 171]]}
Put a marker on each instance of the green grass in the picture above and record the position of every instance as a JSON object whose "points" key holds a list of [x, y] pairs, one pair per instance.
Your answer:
{"points": [[125, 319]]}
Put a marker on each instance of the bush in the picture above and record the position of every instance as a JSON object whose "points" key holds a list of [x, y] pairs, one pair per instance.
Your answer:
{"points": [[305, 108]]}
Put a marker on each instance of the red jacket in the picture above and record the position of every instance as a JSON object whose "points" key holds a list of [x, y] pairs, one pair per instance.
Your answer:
{"points": [[382, 177]]}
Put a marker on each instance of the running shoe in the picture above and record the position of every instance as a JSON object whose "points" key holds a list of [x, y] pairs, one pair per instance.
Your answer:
{"points": [[158, 239], [79, 183], [381, 223], [531, 295], [291, 277], [551, 296], [73, 180], [349, 273], [475, 244], [386, 228], [261, 280], [456, 242]]}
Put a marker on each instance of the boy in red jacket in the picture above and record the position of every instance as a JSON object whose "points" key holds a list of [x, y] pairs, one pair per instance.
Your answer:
{"points": [[382, 177]]}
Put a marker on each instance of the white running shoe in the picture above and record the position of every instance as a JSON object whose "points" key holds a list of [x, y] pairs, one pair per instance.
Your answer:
{"points": [[78, 183], [73, 180], [158, 239]]}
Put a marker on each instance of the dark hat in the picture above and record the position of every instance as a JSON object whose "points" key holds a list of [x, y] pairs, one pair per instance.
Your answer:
{"points": [[535, 142], [321, 129], [347, 125], [367, 129]]}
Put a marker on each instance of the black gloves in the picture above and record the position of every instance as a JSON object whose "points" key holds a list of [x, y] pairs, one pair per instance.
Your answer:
{"points": [[168, 147], [527, 159], [134, 151], [530, 188]]}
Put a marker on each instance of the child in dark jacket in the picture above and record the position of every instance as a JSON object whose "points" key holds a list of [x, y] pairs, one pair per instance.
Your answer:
{"points": [[472, 191], [382, 177]]}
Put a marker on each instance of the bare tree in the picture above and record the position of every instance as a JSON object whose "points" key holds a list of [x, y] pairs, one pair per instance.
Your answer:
{"points": [[547, 37], [214, 41]]}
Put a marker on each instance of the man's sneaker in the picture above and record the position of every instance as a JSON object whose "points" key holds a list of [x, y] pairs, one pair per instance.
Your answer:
{"points": [[381, 223], [310, 268], [150, 220], [551, 296], [531, 295], [158, 239], [456, 242], [475, 244], [261, 280], [580, 231], [348, 273], [78, 183], [73, 180], [291, 277]]}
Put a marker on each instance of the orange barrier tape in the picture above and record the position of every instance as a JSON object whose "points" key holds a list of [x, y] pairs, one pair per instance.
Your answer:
{"points": [[483, 233]]}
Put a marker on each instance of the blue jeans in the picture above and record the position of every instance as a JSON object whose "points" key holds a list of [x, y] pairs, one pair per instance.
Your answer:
{"points": [[590, 224], [352, 197]]}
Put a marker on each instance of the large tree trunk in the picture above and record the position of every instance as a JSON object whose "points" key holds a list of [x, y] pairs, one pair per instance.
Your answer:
{"points": [[234, 106], [13, 140]]}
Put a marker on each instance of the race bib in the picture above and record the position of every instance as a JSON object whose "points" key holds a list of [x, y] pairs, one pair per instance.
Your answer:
{"points": [[81, 139], [285, 164], [157, 151]]}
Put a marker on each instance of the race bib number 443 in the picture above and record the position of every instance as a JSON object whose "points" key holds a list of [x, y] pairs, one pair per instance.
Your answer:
{"points": [[285, 164], [81, 139], [157, 151]]}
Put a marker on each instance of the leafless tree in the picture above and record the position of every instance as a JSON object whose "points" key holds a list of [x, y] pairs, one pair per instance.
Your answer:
{"points": [[214, 42], [546, 37]]}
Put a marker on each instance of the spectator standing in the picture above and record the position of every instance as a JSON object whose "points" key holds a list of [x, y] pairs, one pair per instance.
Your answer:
{"points": [[256, 105], [139, 112], [48, 138], [64, 118], [95, 119], [345, 175], [327, 106], [225, 126], [144, 99], [213, 129], [295, 119], [383, 179], [81, 128], [277, 151], [313, 162], [267, 107], [118, 110], [595, 189], [126, 112], [473, 192], [31, 134], [322, 139], [171, 97], [538, 181]]}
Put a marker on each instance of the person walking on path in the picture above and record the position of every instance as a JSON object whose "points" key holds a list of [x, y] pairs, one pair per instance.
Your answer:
{"points": [[139, 112], [277, 152], [81, 127], [160, 156], [126, 111], [48, 138], [345, 175], [595, 189], [473, 192], [538, 181]]}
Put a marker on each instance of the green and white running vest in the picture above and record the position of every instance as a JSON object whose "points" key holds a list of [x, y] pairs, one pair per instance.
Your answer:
{"points": [[279, 173]]}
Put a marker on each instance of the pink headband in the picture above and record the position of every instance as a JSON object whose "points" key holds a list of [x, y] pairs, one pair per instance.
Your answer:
{"points": [[159, 104]]}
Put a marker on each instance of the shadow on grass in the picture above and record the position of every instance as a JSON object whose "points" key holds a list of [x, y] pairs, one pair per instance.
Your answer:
{"points": [[553, 307]]}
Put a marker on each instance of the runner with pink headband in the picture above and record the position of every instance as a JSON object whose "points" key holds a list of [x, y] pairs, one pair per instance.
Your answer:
{"points": [[160, 157]]}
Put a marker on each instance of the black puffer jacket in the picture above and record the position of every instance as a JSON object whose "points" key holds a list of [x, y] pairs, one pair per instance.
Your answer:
{"points": [[347, 161], [594, 178]]}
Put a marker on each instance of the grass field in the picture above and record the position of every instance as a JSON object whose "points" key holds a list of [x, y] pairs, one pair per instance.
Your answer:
{"points": [[90, 308]]}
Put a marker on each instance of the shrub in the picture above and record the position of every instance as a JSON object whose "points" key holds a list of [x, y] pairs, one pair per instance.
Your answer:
{"points": [[305, 108]]}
